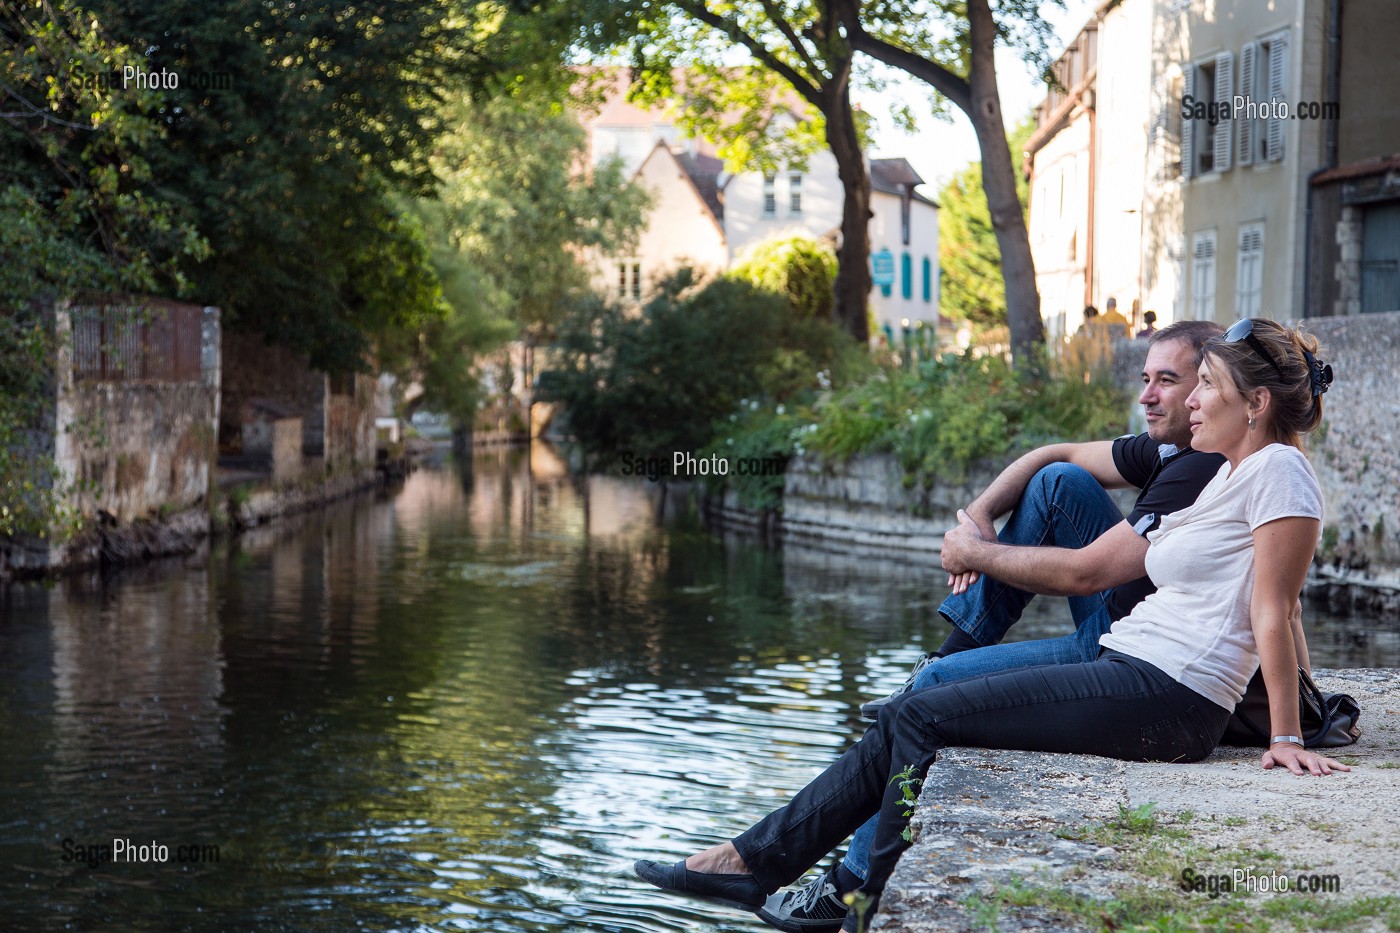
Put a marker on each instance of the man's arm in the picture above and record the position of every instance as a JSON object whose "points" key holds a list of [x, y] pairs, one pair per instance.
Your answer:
{"points": [[1115, 557], [1005, 491]]}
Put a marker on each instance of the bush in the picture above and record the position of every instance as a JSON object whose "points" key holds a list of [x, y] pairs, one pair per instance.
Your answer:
{"points": [[800, 268], [655, 384]]}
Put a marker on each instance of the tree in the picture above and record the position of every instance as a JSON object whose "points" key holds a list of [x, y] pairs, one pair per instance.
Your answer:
{"points": [[960, 65], [507, 227], [80, 208], [968, 254], [81, 204], [801, 45], [292, 132]]}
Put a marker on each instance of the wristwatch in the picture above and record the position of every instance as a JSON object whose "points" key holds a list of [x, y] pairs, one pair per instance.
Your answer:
{"points": [[1295, 739]]}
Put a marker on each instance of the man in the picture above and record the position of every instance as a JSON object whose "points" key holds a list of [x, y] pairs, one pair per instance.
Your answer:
{"points": [[1064, 537], [1116, 324]]}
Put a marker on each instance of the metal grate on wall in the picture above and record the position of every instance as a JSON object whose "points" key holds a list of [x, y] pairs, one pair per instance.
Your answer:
{"points": [[118, 339]]}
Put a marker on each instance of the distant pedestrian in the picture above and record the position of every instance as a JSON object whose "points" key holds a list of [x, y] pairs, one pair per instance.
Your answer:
{"points": [[1091, 315], [1113, 322], [1150, 319]]}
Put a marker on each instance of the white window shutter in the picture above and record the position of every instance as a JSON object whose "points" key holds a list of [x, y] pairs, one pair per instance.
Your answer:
{"points": [[1188, 126], [1278, 74], [1244, 148], [1224, 90]]}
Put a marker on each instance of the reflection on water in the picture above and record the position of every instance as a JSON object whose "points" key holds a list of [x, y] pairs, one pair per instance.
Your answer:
{"points": [[466, 705]]}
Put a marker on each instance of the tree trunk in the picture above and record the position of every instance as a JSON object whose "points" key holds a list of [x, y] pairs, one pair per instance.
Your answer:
{"points": [[999, 182], [853, 268]]}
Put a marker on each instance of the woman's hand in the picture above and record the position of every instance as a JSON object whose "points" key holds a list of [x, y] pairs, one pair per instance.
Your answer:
{"points": [[1298, 760]]}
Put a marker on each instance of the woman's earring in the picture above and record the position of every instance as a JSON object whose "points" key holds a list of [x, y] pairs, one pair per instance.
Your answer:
{"points": [[1251, 424]]}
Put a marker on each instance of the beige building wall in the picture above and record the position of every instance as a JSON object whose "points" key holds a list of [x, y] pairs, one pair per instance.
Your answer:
{"points": [[1247, 202]]}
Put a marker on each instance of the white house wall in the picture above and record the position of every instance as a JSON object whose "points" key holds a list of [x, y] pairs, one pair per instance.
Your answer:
{"points": [[680, 229], [822, 197], [1122, 117], [1059, 213], [886, 233]]}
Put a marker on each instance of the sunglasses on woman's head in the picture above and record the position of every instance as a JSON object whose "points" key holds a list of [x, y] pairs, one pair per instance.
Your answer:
{"points": [[1319, 373], [1244, 330]]}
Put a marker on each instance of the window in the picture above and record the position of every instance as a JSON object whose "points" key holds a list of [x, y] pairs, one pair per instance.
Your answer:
{"points": [[1207, 136], [1272, 65], [906, 270], [1249, 278], [629, 280], [795, 193], [770, 195], [1203, 276], [1263, 81], [928, 280]]}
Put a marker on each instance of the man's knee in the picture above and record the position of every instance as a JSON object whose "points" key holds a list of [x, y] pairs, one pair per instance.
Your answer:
{"points": [[1060, 479]]}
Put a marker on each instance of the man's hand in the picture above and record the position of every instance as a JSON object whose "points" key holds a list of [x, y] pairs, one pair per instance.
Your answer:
{"points": [[1300, 760], [960, 583], [959, 544]]}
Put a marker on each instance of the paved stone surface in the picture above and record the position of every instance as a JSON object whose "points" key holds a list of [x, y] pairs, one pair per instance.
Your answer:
{"points": [[989, 817]]}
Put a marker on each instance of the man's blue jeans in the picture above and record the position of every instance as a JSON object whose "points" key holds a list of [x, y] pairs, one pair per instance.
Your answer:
{"points": [[1062, 506]]}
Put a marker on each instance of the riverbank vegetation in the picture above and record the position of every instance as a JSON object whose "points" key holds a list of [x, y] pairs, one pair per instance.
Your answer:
{"points": [[757, 373]]}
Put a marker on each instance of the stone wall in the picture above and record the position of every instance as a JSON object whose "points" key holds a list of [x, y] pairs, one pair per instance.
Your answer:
{"points": [[1354, 452], [349, 425], [865, 503], [253, 370], [132, 443], [135, 449]]}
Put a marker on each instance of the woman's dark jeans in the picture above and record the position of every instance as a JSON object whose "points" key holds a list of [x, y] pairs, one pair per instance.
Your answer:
{"points": [[1116, 706]]}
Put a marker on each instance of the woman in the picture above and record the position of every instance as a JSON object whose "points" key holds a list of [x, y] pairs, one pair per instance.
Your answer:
{"points": [[1228, 571]]}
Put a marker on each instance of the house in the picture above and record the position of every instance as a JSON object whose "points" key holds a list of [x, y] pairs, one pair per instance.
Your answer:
{"points": [[1351, 218], [1215, 160], [1085, 160], [705, 217]]}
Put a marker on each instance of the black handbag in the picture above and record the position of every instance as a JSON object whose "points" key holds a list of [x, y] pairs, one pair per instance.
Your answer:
{"points": [[1328, 720]]}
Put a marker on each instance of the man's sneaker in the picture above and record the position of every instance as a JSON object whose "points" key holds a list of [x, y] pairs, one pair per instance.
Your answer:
{"points": [[871, 711], [817, 908]]}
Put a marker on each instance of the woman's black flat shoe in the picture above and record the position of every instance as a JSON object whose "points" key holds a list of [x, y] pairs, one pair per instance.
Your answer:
{"points": [[740, 891]]}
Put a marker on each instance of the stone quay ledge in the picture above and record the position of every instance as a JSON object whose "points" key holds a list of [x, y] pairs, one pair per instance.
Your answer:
{"points": [[1020, 841]]}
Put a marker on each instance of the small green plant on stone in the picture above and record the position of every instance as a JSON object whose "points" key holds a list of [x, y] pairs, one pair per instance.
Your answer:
{"points": [[910, 784]]}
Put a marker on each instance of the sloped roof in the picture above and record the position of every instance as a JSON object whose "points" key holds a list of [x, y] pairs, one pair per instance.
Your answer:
{"points": [[892, 175], [704, 171], [701, 171]]}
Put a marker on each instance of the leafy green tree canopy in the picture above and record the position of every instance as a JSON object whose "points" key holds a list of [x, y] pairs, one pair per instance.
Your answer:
{"points": [[968, 253]]}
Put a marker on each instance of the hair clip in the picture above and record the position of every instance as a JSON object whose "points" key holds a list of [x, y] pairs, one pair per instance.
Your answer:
{"points": [[1319, 372]]}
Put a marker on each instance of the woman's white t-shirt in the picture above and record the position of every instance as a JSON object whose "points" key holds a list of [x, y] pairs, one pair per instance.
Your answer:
{"points": [[1196, 626]]}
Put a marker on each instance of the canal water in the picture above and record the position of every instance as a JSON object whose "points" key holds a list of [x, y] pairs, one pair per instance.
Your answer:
{"points": [[468, 704]]}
